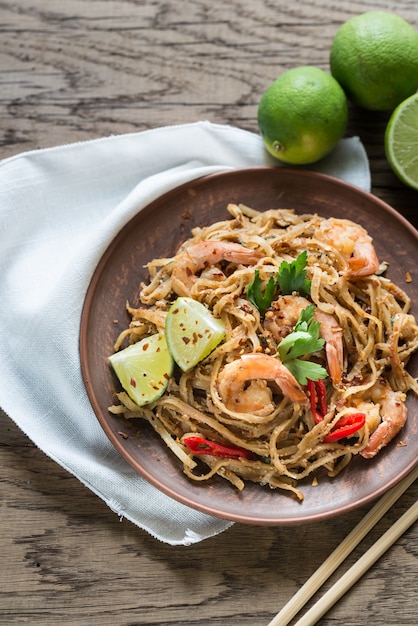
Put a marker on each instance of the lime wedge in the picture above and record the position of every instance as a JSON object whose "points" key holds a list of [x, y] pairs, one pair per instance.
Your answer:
{"points": [[401, 141], [192, 332], [144, 368]]}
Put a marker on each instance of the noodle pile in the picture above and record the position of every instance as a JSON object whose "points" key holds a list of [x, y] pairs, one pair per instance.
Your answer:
{"points": [[286, 443]]}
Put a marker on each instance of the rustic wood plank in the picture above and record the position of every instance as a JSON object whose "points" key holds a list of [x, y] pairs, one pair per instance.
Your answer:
{"points": [[74, 71]]}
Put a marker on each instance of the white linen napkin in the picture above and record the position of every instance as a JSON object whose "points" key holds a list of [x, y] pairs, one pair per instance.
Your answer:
{"points": [[59, 210]]}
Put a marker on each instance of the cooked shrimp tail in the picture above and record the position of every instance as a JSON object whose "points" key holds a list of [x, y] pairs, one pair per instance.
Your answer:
{"points": [[393, 413], [353, 242], [332, 332], [238, 392], [204, 254]]}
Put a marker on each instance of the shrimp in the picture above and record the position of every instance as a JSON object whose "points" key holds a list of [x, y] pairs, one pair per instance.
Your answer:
{"points": [[203, 254], [254, 370], [281, 318], [353, 242], [393, 414]]}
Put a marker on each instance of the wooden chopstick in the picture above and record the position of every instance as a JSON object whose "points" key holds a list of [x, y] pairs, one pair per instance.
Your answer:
{"points": [[359, 568], [335, 559]]}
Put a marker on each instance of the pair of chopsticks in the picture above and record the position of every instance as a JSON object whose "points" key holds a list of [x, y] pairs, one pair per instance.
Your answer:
{"points": [[317, 579]]}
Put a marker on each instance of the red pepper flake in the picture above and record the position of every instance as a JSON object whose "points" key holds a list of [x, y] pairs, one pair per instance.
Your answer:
{"points": [[186, 340], [132, 382], [145, 347]]}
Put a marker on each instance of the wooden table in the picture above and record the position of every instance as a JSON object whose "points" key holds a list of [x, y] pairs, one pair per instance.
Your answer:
{"points": [[81, 69]]}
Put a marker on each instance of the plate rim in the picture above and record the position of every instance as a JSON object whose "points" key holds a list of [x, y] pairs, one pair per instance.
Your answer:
{"points": [[117, 443]]}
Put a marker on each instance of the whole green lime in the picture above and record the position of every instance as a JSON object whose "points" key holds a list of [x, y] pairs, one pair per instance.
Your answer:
{"points": [[302, 115], [374, 57]]}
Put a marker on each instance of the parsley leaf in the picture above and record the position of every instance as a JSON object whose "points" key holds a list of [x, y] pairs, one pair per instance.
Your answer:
{"points": [[292, 276], [304, 340], [289, 278], [304, 370], [255, 293]]}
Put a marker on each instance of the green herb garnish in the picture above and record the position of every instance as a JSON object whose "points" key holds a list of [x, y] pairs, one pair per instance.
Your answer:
{"points": [[304, 340], [255, 293], [292, 276]]}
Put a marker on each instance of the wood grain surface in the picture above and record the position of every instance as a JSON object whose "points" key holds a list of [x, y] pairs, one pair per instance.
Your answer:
{"points": [[81, 69]]}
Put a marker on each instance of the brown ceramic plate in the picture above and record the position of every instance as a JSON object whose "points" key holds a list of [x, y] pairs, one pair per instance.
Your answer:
{"points": [[157, 231]]}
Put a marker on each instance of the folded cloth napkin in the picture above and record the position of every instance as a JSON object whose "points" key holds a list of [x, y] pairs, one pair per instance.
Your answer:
{"points": [[59, 210]]}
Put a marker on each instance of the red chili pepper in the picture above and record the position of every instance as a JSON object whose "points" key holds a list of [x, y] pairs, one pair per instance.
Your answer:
{"points": [[318, 397], [199, 445], [321, 390], [346, 426]]}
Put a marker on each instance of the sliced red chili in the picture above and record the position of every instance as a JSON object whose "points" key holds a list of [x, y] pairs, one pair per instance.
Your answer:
{"points": [[318, 399], [199, 445], [321, 391], [346, 426]]}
